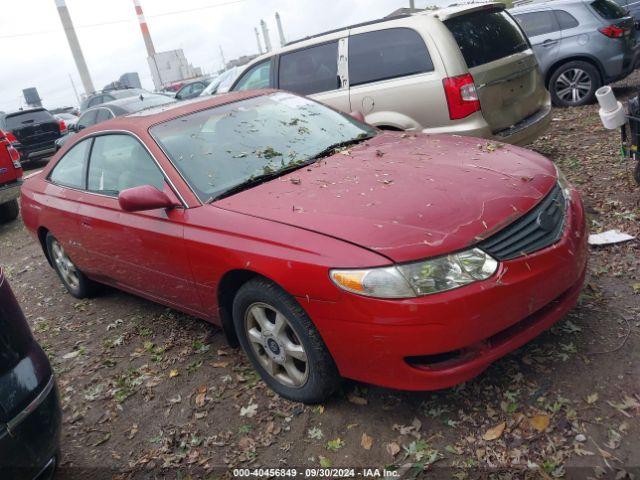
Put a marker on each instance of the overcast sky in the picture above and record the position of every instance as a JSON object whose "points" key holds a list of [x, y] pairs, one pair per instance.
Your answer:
{"points": [[35, 52]]}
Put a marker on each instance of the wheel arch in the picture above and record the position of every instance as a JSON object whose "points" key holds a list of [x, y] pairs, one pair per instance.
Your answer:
{"points": [[42, 238], [582, 58]]}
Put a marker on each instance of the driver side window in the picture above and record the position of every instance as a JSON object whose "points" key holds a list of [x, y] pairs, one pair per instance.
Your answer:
{"points": [[259, 76], [119, 162]]}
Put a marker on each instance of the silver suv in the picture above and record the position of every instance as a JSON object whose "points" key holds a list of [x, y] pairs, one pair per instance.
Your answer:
{"points": [[467, 70], [580, 45]]}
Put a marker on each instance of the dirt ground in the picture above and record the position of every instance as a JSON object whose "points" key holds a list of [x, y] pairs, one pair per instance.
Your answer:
{"points": [[151, 393]]}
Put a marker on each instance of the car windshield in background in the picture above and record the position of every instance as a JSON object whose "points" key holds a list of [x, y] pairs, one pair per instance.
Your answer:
{"points": [[218, 149], [608, 9], [20, 119], [147, 102], [486, 36]]}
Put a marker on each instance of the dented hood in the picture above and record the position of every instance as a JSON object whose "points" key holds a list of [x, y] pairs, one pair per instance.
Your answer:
{"points": [[406, 196]]}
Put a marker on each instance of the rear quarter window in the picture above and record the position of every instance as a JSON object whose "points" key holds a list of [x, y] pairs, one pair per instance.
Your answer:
{"points": [[70, 169], [537, 23], [608, 9], [385, 54], [486, 36]]}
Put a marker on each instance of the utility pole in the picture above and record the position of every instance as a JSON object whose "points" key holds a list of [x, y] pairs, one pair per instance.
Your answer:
{"points": [[75, 91], [280, 31], [412, 5], [74, 44], [265, 36], [224, 62], [258, 40]]}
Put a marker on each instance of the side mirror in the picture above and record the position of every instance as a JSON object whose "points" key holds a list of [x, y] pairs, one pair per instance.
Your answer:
{"points": [[358, 115], [144, 197]]}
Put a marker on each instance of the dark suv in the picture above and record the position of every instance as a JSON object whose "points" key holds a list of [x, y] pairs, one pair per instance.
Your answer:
{"points": [[30, 415], [35, 130]]}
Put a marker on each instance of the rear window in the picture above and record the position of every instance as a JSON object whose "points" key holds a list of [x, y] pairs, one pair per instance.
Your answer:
{"points": [[386, 54], [21, 119], [608, 9], [486, 36]]}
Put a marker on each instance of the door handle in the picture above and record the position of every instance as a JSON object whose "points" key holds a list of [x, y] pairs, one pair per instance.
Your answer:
{"points": [[549, 42]]}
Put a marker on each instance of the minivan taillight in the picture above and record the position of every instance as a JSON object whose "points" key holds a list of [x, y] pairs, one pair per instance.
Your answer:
{"points": [[462, 97], [613, 31]]}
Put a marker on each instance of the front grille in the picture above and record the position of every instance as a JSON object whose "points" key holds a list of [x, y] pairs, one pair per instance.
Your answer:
{"points": [[534, 231]]}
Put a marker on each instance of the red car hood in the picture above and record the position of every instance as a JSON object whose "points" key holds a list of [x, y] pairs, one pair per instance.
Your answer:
{"points": [[406, 196]]}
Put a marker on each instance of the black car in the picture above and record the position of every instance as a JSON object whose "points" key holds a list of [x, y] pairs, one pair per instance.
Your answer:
{"points": [[99, 98], [30, 415], [116, 108], [35, 129], [192, 89]]}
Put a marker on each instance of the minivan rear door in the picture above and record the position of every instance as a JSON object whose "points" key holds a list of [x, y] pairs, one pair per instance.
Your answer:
{"points": [[508, 81]]}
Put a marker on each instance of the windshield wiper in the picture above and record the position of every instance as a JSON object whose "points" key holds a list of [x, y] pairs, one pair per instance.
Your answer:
{"points": [[258, 179], [331, 148]]}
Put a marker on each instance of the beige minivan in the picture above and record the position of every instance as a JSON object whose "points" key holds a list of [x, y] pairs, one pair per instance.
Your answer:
{"points": [[467, 70]]}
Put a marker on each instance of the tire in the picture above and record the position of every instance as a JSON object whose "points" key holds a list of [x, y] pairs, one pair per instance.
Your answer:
{"points": [[272, 349], [9, 211], [581, 74], [76, 282]]}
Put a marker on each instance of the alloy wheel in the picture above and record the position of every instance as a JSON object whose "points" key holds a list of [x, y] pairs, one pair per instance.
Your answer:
{"points": [[276, 345], [64, 265], [573, 85]]}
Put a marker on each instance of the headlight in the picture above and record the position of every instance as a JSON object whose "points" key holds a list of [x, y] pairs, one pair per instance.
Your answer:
{"points": [[564, 183], [419, 278]]}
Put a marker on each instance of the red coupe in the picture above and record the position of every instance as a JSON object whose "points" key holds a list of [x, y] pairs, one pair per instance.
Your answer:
{"points": [[327, 248]]}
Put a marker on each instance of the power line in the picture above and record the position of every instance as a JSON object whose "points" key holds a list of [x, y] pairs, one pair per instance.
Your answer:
{"points": [[114, 22]]}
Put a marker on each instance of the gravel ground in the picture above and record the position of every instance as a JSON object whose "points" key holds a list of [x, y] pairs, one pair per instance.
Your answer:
{"points": [[148, 392]]}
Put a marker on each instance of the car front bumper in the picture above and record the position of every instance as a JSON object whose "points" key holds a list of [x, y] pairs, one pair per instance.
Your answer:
{"points": [[440, 340], [29, 443], [10, 191]]}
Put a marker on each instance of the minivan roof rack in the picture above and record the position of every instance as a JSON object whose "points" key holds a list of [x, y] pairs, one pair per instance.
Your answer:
{"points": [[363, 24]]}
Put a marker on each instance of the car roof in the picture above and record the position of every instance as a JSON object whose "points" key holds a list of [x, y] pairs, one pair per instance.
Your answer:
{"points": [[131, 104], [524, 5]]}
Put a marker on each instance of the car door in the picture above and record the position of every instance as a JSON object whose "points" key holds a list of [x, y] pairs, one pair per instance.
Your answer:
{"points": [[141, 251], [87, 119], [313, 71], [389, 71], [64, 189], [543, 30]]}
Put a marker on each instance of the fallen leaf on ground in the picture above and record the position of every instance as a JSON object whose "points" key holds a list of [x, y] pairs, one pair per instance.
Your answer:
{"points": [[593, 398], [173, 373], [249, 411], [495, 432], [356, 399], [393, 448], [366, 441], [540, 422]]}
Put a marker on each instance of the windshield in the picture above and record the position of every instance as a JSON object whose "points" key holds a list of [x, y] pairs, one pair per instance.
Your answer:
{"points": [[26, 118], [222, 147]]}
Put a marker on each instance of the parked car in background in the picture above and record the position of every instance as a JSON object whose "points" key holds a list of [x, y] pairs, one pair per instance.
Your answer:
{"points": [[632, 6], [35, 130], [115, 108], [10, 179], [192, 89], [466, 69], [311, 238], [580, 45], [30, 415], [109, 96], [69, 119], [222, 83]]}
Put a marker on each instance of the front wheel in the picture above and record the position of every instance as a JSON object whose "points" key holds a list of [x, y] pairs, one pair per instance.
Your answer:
{"points": [[9, 211], [282, 343], [574, 84], [76, 283]]}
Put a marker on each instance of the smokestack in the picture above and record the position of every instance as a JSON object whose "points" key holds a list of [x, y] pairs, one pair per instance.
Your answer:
{"points": [[74, 44], [151, 51], [265, 36], [258, 40], [280, 32]]}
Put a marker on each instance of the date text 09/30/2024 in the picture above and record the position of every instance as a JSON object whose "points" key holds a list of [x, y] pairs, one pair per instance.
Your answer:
{"points": [[315, 473]]}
